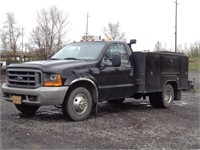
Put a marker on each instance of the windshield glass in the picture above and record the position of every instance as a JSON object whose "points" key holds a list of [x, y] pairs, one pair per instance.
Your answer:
{"points": [[84, 50]]}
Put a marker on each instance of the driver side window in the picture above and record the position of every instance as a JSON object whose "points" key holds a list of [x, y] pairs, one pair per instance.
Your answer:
{"points": [[113, 49]]}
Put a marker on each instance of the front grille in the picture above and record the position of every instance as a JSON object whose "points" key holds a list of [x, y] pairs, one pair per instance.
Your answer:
{"points": [[24, 78]]}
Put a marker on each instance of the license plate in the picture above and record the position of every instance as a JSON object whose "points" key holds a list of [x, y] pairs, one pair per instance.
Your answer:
{"points": [[17, 99]]}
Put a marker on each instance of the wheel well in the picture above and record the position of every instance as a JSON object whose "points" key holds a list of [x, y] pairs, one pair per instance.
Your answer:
{"points": [[86, 84], [173, 84]]}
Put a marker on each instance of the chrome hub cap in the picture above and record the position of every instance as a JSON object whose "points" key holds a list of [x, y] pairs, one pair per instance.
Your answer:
{"points": [[80, 104], [168, 96]]}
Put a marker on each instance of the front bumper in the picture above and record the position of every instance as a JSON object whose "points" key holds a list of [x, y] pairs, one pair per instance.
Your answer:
{"points": [[39, 96]]}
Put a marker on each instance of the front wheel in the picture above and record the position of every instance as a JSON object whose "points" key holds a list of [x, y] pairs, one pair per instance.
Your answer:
{"points": [[27, 109], [78, 105]]}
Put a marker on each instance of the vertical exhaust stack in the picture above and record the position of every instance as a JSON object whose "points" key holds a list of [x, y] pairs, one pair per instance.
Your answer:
{"points": [[132, 41]]}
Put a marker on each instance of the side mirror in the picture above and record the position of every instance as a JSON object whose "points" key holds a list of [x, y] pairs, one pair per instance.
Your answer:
{"points": [[133, 41], [116, 60], [113, 61]]}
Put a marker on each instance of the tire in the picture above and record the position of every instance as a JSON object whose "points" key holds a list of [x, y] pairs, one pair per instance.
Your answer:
{"points": [[137, 96], [164, 99], [167, 96], [154, 100], [78, 105], [116, 101], [27, 109]]}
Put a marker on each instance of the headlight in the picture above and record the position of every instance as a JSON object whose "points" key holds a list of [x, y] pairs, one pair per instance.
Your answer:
{"points": [[52, 80]]}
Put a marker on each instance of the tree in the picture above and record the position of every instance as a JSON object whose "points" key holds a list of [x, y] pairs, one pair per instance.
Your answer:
{"points": [[113, 32], [4, 41], [48, 36], [195, 49], [158, 46], [11, 34]]}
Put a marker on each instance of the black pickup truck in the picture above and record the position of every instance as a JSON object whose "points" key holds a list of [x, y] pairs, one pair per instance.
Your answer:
{"points": [[84, 73]]}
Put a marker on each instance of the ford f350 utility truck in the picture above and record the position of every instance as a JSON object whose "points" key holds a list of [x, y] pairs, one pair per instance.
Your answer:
{"points": [[84, 73]]}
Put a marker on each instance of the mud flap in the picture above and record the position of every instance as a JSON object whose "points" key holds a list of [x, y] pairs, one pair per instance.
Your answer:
{"points": [[95, 108]]}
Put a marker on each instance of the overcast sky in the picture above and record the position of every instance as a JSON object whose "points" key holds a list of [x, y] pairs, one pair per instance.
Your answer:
{"points": [[148, 21]]}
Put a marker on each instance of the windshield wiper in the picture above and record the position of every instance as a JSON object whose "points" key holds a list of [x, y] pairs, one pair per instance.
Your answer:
{"points": [[71, 58], [54, 59]]}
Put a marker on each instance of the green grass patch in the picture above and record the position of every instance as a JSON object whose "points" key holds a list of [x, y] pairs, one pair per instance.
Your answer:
{"points": [[194, 64]]}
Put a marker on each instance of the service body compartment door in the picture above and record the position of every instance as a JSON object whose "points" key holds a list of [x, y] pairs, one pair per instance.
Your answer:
{"points": [[153, 64]]}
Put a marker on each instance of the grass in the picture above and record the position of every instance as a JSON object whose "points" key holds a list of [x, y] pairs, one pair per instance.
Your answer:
{"points": [[194, 64]]}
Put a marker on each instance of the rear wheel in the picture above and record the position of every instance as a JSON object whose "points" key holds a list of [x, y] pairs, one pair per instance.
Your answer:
{"points": [[116, 101], [77, 106], [27, 109], [154, 100], [168, 96], [164, 99]]}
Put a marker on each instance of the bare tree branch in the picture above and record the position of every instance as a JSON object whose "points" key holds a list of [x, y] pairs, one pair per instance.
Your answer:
{"points": [[11, 34], [113, 32], [50, 31]]}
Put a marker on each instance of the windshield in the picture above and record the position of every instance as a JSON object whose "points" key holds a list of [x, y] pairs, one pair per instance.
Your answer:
{"points": [[85, 50]]}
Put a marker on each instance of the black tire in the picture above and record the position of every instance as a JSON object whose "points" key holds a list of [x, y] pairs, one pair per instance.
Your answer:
{"points": [[164, 99], [167, 96], [27, 109], [154, 100], [78, 105], [116, 101], [137, 96]]}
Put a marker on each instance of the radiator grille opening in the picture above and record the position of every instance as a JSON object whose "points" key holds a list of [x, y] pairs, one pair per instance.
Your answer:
{"points": [[24, 78]]}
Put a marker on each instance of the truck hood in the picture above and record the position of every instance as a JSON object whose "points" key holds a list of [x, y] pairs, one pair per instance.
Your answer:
{"points": [[49, 65]]}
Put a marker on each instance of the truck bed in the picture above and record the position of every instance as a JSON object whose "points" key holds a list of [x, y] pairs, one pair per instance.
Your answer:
{"points": [[154, 69]]}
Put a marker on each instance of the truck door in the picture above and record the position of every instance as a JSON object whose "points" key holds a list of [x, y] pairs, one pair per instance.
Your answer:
{"points": [[115, 82]]}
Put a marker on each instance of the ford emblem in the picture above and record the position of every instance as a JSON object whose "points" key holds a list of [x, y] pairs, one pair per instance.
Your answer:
{"points": [[19, 78]]}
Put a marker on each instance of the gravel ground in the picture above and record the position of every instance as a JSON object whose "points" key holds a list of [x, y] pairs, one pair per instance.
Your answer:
{"points": [[132, 125]]}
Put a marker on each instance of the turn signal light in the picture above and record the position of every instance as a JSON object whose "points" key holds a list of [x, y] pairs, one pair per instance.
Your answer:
{"points": [[54, 80]]}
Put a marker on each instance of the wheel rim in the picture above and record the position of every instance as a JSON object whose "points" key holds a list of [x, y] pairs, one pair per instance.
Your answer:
{"points": [[168, 96], [80, 104]]}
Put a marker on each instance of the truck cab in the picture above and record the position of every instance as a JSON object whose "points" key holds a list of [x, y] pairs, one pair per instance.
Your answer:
{"points": [[84, 73]]}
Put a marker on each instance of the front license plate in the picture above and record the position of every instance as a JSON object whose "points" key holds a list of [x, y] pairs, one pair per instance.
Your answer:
{"points": [[17, 99]]}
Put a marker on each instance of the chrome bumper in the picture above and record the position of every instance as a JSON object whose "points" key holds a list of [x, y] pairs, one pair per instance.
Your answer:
{"points": [[39, 96]]}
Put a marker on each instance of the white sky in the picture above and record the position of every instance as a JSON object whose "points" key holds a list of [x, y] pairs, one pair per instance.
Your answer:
{"points": [[148, 21]]}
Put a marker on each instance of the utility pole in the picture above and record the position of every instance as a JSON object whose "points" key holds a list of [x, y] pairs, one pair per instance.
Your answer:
{"points": [[86, 33], [176, 3]]}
